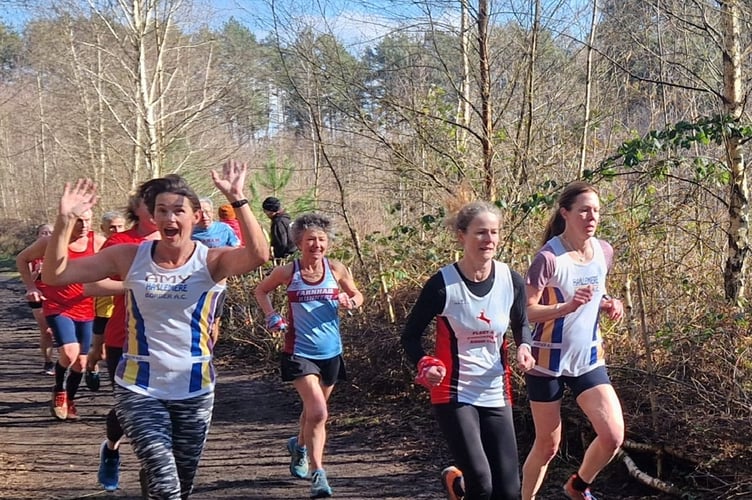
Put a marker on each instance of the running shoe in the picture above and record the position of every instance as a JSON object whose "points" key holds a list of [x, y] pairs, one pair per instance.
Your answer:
{"points": [[109, 467], [298, 459], [59, 408], [92, 381], [454, 484], [49, 368], [72, 411], [319, 485], [574, 494]]}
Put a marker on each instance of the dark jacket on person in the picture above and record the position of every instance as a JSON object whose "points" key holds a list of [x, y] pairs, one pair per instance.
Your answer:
{"points": [[282, 244]]}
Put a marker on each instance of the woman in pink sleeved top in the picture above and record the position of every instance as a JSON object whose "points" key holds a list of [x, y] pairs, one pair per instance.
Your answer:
{"points": [[566, 294]]}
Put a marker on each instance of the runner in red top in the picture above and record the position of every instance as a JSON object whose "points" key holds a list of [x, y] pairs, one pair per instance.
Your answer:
{"points": [[114, 332], [69, 313], [32, 278]]}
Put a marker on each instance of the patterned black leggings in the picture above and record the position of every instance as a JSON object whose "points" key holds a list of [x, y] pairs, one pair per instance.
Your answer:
{"points": [[168, 438]]}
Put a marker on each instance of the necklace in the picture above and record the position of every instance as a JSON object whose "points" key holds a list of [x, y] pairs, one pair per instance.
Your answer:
{"points": [[581, 256]]}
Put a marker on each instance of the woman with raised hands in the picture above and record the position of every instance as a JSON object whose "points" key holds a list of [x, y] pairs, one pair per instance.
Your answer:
{"points": [[165, 381]]}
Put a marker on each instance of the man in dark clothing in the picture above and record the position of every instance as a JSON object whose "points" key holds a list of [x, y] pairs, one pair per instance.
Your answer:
{"points": [[281, 240]]}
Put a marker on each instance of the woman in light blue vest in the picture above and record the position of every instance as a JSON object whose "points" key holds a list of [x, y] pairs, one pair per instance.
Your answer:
{"points": [[312, 355]]}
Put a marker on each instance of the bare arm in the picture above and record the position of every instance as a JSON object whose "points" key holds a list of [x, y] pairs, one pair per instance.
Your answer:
{"points": [[104, 288], [23, 264], [262, 293], [350, 296], [238, 260], [24, 259], [538, 313]]}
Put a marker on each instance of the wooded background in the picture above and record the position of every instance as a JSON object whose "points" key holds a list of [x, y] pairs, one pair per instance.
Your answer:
{"points": [[512, 99]]}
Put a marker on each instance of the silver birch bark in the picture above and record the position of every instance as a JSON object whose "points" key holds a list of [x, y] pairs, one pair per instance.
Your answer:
{"points": [[738, 207]]}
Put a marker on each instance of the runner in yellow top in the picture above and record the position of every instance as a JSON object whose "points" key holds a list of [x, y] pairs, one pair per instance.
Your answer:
{"points": [[112, 222]]}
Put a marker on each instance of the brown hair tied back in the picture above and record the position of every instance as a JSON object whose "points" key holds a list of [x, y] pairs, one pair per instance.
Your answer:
{"points": [[462, 208], [567, 197]]}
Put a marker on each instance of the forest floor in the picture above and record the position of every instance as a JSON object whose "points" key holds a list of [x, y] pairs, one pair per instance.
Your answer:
{"points": [[370, 454]]}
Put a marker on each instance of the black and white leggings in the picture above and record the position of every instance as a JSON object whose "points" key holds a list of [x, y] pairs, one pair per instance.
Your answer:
{"points": [[167, 436]]}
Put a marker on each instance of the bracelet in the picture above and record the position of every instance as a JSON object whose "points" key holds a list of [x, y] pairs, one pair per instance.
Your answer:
{"points": [[239, 203]]}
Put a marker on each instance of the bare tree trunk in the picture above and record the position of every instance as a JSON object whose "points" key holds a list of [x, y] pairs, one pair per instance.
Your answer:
{"points": [[530, 87], [669, 247], [526, 108], [738, 208], [140, 22], [463, 106], [102, 161], [43, 144], [7, 172], [314, 116], [485, 97], [662, 66], [314, 119], [588, 90], [82, 86]]}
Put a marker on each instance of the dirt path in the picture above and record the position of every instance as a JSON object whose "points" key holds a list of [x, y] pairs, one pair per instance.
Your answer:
{"points": [[245, 456]]}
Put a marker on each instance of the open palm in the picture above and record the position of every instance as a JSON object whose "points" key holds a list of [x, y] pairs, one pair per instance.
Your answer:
{"points": [[231, 180], [78, 198]]}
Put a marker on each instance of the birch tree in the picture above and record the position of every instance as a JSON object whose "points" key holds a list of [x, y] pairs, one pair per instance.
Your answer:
{"points": [[153, 46], [696, 74], [738, 203]]}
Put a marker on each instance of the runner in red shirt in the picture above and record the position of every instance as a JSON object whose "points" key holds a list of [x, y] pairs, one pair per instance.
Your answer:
{"points": [[31, 279], [69, 313], [114, 333]]}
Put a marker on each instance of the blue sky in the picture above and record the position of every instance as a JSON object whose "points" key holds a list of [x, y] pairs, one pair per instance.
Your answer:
{"points": [[357, 22], [17, 12]]}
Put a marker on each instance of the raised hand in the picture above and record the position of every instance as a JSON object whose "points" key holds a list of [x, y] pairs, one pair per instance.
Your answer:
{"points": [[231, 181], [78, 198]]}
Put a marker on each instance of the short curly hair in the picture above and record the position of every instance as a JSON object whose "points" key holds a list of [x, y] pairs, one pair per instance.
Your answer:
{"points": [[309, 221]]}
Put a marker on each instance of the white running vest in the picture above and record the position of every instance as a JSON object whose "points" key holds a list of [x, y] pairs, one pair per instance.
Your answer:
{"points": [[469, 338], [169, 317], [570, 345]]}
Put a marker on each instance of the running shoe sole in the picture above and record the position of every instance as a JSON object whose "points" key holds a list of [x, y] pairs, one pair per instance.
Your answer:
{"points": [[449, 477]]}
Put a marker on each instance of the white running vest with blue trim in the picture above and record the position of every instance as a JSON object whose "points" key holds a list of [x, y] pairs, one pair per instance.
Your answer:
{"points": [[169, 318], [314, 316], [571, 345], [478, 325]]}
